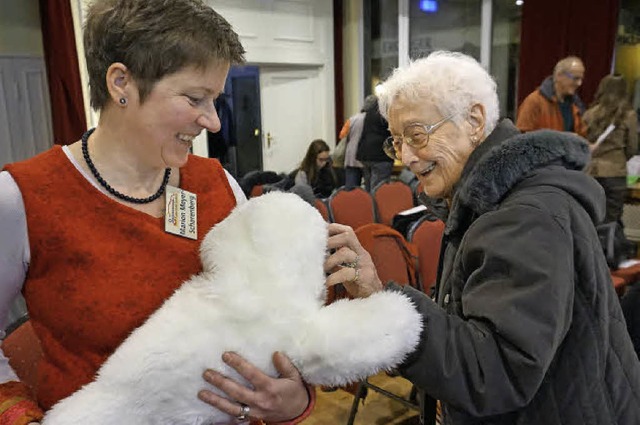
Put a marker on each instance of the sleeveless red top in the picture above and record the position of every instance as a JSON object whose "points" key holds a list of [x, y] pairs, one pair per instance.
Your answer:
{"points": [[100, 268]]}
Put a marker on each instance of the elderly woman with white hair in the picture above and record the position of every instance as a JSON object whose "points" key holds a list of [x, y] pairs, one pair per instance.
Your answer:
{"points": [[525, 326]]}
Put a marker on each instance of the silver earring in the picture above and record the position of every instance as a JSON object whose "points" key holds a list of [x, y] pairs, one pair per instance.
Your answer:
{"points": [[123, 101]]}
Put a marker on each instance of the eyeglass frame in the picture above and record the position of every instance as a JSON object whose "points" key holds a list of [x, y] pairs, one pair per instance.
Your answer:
{"points": [[388, 146]]}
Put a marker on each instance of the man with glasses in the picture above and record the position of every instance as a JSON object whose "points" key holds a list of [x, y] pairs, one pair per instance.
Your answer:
{"points": [[555, 104]]}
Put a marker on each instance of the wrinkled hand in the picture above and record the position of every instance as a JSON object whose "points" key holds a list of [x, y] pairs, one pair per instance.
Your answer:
{"points": [[270, 399], [350, 264]]}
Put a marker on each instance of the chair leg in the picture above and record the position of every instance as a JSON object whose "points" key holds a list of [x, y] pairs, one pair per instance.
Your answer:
{"points": [[360, 395], [413, 395], [430, 409]]}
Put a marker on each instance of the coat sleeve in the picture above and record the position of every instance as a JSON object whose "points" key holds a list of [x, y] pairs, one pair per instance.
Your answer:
{"points": [[344, 131], [17, 405], [529, 114], [516, 309]]}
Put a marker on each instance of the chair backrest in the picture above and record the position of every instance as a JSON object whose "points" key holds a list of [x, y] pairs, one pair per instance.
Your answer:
{"points": [[390, 198], [256, 190], [256, 177], [395, 258], [353, 207], [426, 234], [321, 206], [22, 348]]}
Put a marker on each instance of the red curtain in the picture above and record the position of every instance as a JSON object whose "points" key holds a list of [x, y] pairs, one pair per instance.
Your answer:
{"points": [[554, 29], [65, 87]]}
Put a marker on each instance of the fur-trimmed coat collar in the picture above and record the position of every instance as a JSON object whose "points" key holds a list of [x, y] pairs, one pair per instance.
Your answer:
{"points": [[507, 158]]}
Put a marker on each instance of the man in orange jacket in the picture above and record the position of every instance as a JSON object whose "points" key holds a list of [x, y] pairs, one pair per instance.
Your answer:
{"points": [[555, 104]]}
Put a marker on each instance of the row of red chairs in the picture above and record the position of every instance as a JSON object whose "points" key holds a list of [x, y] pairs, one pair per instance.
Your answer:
{"points": [[356, 207], [371, 216]]}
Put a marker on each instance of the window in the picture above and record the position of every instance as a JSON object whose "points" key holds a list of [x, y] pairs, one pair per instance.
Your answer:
{"points": [[505, 53], [488, 30], [381, 41], [454, 25]]}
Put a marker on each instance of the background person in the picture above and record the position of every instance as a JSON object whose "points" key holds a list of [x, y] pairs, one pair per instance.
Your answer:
{"points": [[316, 171], [526, 327], [376, 166], [555, 104], [82, 227], [608, 163], [353, 167]]}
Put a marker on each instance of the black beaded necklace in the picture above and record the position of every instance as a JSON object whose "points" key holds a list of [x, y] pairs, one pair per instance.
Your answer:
{"points": [[107, 186]]}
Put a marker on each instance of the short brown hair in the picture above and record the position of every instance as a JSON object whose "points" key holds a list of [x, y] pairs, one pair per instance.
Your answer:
{"points": [[154, 38]]}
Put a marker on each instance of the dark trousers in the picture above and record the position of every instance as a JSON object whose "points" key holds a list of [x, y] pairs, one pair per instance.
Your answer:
{"points": [[375, 173], [352, 177], [615, 190]]}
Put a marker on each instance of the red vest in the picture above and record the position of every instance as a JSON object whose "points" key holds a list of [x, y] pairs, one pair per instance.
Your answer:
{"points": [[100, 268]]}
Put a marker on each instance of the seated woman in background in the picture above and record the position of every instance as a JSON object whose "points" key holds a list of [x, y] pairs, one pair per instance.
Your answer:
{"points": [[316, 171]]}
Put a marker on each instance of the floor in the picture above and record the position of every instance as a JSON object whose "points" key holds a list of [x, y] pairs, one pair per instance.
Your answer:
{"points": [[333, 408]]}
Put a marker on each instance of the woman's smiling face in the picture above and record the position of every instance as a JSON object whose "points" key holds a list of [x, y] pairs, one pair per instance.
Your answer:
{"points": [[438, 165], [176, 110]]}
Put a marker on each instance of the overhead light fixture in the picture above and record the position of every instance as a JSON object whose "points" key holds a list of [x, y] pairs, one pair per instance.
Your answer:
{"points": [[519, 2], [429, 6]]}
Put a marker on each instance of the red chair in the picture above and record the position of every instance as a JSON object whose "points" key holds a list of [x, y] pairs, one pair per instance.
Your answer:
{"points": [[23, 350], [619, 284], [256, 190], [395, 258], [628, 274], [353, 207], [391, 197], [427, 236], [321, 206]]}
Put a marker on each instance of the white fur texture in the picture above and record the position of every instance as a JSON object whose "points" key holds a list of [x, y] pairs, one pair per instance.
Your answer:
{"points": [[262, 290]]}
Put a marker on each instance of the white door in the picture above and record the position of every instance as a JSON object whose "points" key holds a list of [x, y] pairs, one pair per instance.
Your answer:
{"points": [[25, 112], [293, 114]]}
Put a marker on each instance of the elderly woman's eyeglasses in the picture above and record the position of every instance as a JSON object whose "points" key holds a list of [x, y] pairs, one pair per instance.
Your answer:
{"points": [[418, 138]]}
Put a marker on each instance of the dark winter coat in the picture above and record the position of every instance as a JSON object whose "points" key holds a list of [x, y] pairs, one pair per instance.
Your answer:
{"points": [[374, 132], [527, 328]]}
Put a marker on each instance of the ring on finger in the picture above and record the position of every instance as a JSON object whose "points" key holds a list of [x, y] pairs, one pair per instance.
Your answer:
{"points": [[353, 264], [356, 275], [244, 412]]}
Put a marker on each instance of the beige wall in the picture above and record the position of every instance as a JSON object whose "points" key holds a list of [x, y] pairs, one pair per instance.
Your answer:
{"points": [[352, 57], [20, 28]]}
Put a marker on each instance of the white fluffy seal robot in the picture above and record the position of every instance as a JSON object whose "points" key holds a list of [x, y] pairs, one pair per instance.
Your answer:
{"points": [[261, 290]]}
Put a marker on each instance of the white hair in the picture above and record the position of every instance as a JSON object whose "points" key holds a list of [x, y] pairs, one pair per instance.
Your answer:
{"points": [[452, 81]]}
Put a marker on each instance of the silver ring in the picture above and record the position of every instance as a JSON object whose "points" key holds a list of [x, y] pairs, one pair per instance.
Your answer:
{"points": [[244, 412]]}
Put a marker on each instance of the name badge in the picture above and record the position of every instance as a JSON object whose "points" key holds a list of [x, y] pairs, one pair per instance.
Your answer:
{"points": [[181, 213]]}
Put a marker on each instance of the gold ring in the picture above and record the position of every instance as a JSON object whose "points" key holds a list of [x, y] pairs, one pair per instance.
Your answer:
{"points": [[356, 275]]}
